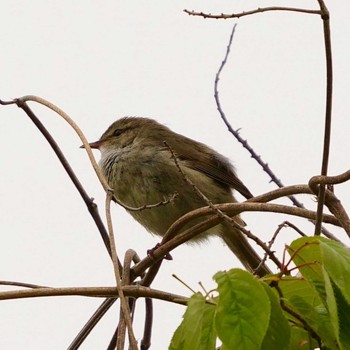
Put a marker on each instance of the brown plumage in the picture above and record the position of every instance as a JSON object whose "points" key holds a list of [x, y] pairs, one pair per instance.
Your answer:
{"points": [[140, 169]]}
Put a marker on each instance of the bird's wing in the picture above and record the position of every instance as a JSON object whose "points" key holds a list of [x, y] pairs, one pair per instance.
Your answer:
{"points": [[209, 162]]}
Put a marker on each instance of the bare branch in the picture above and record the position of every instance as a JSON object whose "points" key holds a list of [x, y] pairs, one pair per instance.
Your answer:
{"points": [[315, 181], [22, 101], [148, 206], [245, 144], [328, 116], [332, 202], [279, 229], [94, 292], [252, 12], [89, 326], [21, 284], [92, 207], [6, 103], [123, 301], [236, 134]]}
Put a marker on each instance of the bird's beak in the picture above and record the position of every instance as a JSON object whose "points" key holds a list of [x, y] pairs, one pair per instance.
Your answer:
{"points": [[95, 144]]}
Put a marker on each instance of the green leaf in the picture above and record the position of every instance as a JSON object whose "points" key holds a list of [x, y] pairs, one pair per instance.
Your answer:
{"points": [[196, 331], [306, 255], [243, 310], [301, 297], [336, 259], [330, 277], [278, 333], [331, 305], [301, 340], [344, 318], [297, 286]]}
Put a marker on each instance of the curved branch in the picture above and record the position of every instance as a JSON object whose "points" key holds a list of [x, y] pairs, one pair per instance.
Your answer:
{"points": [[237, 208], [92, 207], [172, 239], [316, 183]]}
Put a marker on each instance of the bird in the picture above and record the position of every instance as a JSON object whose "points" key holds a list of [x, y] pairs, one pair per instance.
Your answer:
{"points": [[137, 161]]}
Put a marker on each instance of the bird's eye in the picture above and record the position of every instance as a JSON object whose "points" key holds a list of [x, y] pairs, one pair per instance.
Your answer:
{"points": [[117, 132]]}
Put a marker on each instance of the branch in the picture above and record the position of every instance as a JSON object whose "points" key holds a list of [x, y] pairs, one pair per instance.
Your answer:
{"points": [[245, 144], [95, 292], [236, 134], [328, 117], [92, 207], [237, 208], [123, 302], [89, 326], [252, 12], [172, 238], [316, 183]]}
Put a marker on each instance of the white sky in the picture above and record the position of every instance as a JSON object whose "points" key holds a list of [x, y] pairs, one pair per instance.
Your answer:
{"points": [[101, 60]]}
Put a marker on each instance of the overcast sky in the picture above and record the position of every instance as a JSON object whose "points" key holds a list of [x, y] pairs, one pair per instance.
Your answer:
{"points": [[101, 60]]}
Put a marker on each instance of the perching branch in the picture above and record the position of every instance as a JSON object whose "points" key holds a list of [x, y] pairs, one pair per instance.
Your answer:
{"points": [[94, 292], [252, 12]]}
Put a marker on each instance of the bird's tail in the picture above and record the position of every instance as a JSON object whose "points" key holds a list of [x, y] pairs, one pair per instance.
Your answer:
{"points": [[240, 246]]}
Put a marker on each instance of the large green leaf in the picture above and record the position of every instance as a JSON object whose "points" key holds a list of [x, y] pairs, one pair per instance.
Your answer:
{"points": [[301, 297], [322, 263], [278, 333], [336, 259], [331, 305], [298, 286], [243, 310], [306, 255], [197, 329], [301, 340], [344, 318]]}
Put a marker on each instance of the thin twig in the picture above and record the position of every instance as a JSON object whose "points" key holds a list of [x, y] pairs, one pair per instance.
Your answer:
{"points": [[148, 206], [123, 301], [297, 250], [252, 12], [75, 127], [130, 257], [89, 326], [6, 103], [21, 284], [119, 336], [279, 229], [184, 283], [235, 133], [245, 144], [92, 207]]}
